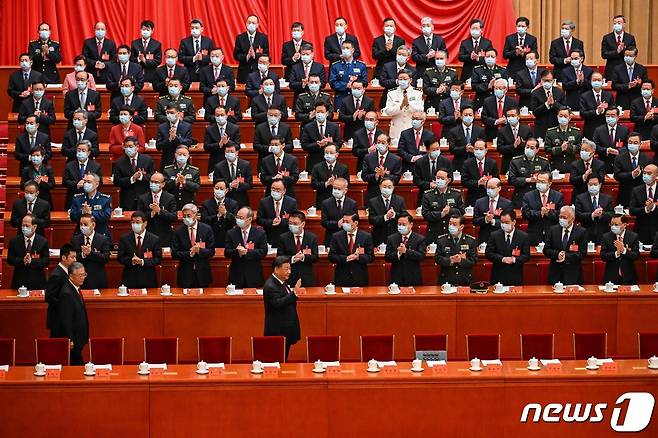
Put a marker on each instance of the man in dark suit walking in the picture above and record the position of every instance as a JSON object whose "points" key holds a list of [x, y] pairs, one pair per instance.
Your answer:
{"points": [[405, 250], [566, 247], [509, 250], [620, 247], [54, 285], [72, 317], [281, 304], [139, 253], [351, 250], [246, 246], [301, 248], [193, 245]]}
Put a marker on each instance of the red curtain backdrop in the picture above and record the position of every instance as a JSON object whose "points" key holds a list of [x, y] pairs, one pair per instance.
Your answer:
{"points": [[72, 21]]}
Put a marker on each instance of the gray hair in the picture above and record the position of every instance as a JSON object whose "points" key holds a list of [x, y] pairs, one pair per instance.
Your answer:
{"points": [[568, 208], [405, 48], [74, 267], [569, 23], [96, 178], [86, 143], [250, 212], [426, 20], [84, 113], [191, 207], [589, 143]]}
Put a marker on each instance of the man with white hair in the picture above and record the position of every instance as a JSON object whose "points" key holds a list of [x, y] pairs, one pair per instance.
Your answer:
{"points": [[94, 203], [389, 72], [566, 246], [561, 48], [193, 245], [494, 109], [425, 46]]}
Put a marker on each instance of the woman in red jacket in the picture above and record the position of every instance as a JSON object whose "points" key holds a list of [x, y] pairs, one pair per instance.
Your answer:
{"points": [[126, 128]]}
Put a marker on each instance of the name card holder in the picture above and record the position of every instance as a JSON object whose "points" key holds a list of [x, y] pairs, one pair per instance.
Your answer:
{"points": [[270, 371], [571, 289], [250, 291], [102, 372], [300, 291], [609, 366], [463, 290], [37, 293], [53, 373], [333, 370], [440, 369], [554, 367], [407, 290], [157, 372], [194, 291], [136, 292], [624, 288], [215, 371], [356, 291], [514, 289], [494, 368], [390, 370]]}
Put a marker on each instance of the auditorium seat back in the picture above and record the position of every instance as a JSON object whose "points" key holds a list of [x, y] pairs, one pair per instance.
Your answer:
{"points": [[7, 351], [106, 351], [268, 348], [52, 351], [586, 345], [483, 346], [324, 348], [537, 345], [378, 347], [647, 344], [214, 349], [430, 342], [161, 350]]}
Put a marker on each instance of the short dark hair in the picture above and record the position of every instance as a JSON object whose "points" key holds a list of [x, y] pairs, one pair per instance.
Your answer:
{"points": [[65, 250], [129, 78], [476, 21], [79, 58], [306, 46], [457, 82], [649, 81], [277, 137], [297, 24], [457, 216], [127, 108], [131, 138], [623, 217], [299, 215], [546, 73], [352, 216], [406, 215], [524, 20], [634, 134], [509, 212], [25, 54], [404, 71], [31, 183], [123, 46], [631, 49], [172, 105], [139, 213], [469, 106], [492, 49], [39, 149], [388, 19], [147, 23], [280, 261], [38, 81], [196, 21], [320, 103]]}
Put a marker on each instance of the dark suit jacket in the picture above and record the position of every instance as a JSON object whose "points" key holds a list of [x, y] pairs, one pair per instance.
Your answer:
{"points": [[392, 163], [481, 209], [95, 262], [212, 139], [471, 176], [573, 88], [497, 248], [602, 139], [382, 55], [72, 177], [220, 225], [382, 228], [302, 269], [331, 215], [53, 290], [457, 143], [93, 106], [243, 170], [259, 107], [609, 51], [17, 85], [153, 53], [135, 276], [354, 273], [646, 224], [505, 143], [107, 55], [263, 135], [207, 78], [388, 77], [280, 311], [231, 104], [137, 103], [570, 271], [332, 49], [346, 115], [625, 263], [515, 62], [46, 118], [638, 112], [72, 321], [268, 172], [29, 174], [490, 114], [447, 111], [595, 227], [546, 117], [168, 147], [186, 54], [297, 75], [266, 215], [423, 174], [241, 49], [407, 145], [620, 81], [23, 148], [309, 139], [71, 141], [193, 271], [159, 224], [287, 52], [254, 80], [588, 110], [405, 268], [419, 52], [115, 76], [123, 172], [623, 168], [320, 175], [538, 225], [246, 271], [465, 49], [160, 81], [32, 276], [577, 170], [525, 85], [40, 209], [557, 52]]}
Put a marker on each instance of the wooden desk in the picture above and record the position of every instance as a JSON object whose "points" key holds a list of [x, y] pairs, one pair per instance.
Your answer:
{"points": [[535, 309], [239, 404]]}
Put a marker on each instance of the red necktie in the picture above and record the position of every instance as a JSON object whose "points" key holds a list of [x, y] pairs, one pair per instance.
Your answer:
{"points": [[192, 236], [405, 239], [491, 206], [298, 245], [278, 165], [277, 208], [99, 47], [586, 166], [307, 70], [138, 249], [456, 102], [481, 168], [567, 46], [417, 139], [543, 200], [648, 102], [381, 161], [222, 102], [618, 39], [133, 163], [500, 108], [370, 139], [351, 243]]}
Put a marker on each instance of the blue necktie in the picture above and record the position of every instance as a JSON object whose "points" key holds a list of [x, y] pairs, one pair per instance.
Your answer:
{"points": [[634, 162], [565, 240], [533, 75], [595, 204], [82, 171]]}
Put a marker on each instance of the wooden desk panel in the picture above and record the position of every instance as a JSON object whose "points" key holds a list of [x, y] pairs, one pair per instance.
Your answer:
{"points": [[428, 311]]}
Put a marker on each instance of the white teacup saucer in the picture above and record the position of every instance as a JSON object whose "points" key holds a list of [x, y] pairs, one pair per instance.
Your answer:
{"points": [[476, 369], [253, 371], [417, 370], [652, 367], [166, 294], [319, 370], [537, 368], [39, 374], [372, 370], [394, 292], [93, 373], [330, 293], [143, 373], [594, 368], [202, 371]]}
